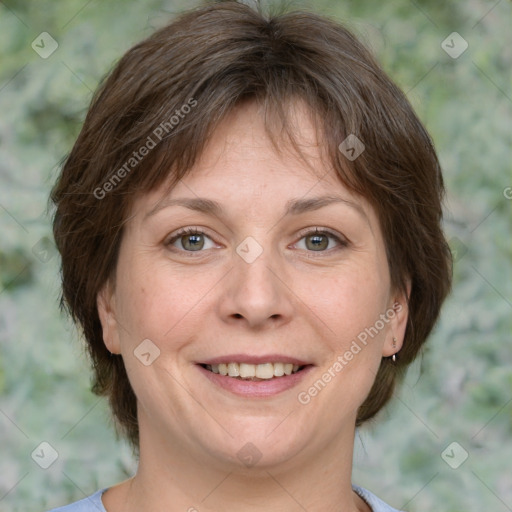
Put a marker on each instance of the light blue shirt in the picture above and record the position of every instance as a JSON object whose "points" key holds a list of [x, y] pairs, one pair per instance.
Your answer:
{"points": [[93, 503]]}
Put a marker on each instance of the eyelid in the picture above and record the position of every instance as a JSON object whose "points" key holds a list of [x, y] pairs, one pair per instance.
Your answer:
{"points": [[322, 231], [188, 230]]}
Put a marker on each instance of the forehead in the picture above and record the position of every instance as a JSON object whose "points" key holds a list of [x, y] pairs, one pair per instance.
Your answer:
{"points": [[250, 157]]}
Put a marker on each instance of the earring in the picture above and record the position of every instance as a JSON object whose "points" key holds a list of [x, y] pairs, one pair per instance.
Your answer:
{"points": [[393, 358]]}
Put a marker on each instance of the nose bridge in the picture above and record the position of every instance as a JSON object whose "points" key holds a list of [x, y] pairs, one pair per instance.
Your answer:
{"points": [[256, 290]]}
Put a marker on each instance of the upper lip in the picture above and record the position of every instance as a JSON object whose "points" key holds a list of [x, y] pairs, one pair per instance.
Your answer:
{"points": [[256, 359]]}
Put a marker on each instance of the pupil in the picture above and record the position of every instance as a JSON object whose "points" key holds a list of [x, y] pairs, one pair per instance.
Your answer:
{"points": [[319, 241], [194, 242]]}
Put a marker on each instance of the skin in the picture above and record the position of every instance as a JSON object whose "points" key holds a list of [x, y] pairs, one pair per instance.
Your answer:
{"points": [[293, 300]]}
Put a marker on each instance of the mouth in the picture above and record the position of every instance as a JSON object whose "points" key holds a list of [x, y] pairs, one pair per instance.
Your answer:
{"points": [[255, 372], [255, 376]]}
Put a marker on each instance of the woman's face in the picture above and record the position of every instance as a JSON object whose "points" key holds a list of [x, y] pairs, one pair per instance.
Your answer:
{"points": [[250, 282]]}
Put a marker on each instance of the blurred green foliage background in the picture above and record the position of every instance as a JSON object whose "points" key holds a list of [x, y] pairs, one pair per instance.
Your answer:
{"points": [[459, 391]]}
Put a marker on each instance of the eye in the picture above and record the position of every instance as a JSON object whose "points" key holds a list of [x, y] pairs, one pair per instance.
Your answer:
{"points": [[195, 240], [190, 240], [318, 240]]}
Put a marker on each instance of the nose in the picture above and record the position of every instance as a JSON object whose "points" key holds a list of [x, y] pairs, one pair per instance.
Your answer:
{"points": [[257, 293]]}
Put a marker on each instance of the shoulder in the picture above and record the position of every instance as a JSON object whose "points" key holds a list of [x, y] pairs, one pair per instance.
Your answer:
{"points": [[376, 504], [92, 503]]}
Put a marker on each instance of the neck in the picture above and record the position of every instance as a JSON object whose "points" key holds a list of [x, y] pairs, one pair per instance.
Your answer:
{"points": [[169, 474]]}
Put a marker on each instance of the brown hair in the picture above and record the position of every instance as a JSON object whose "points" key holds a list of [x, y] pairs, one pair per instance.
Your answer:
{"points": [[170, 92]]}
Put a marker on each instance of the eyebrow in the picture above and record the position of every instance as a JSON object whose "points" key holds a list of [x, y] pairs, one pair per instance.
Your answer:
{"points": [[292, 207]]}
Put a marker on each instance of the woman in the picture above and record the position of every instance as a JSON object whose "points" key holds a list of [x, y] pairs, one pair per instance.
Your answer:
{"points": [[249, 225]]}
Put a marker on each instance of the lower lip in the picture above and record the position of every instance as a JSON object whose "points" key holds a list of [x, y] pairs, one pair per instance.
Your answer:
{"points": [[259, 388]]}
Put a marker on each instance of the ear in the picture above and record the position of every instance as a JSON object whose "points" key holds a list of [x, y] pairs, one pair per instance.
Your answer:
{"points": [[105, 302], [397, 314]]}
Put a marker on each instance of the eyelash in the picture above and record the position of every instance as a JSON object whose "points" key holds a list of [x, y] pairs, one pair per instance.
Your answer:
{"points": [[309, 232]]}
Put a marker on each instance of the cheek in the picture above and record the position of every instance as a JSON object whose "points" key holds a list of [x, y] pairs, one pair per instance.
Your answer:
{"points": [[153, 300], [350, 308], [350, 302]]}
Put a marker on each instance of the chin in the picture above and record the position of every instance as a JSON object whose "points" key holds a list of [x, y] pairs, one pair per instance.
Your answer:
{"points": [[264, 444]]}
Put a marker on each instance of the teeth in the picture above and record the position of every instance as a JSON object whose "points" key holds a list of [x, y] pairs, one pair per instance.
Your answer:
{"points": [[247, 370], [265, 371], [250, 371], [278, 369], [233, 370]]}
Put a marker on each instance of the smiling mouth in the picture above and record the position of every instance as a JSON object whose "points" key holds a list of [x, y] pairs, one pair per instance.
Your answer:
{"points": [[254, 372]]}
